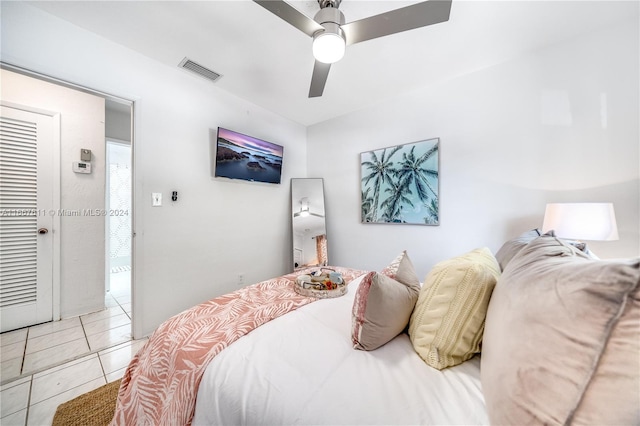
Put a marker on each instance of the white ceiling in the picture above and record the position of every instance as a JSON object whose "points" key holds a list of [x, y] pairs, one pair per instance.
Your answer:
{"points": [[268, 62]]}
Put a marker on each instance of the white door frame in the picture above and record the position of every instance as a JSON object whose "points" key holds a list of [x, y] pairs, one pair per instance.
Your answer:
{"points": [[55, 256]]}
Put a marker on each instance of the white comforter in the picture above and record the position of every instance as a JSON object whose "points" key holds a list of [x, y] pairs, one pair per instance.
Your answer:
{"points": [[301, 369]]}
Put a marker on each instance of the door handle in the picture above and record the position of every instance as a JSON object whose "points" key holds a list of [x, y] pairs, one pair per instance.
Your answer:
{"points": [[43, 231]]}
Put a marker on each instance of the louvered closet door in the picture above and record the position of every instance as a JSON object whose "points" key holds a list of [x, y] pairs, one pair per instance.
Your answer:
{"points": [[26, 202]]}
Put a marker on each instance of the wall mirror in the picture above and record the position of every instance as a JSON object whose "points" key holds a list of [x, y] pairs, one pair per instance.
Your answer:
{"points": [[309, 227]]}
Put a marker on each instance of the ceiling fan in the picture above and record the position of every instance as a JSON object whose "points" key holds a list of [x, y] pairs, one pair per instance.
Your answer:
{"points": [[331, 34], [304, 209]]}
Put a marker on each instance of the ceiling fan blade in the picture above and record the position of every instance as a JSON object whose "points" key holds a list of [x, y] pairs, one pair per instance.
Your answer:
{"points": [[318, 79], [299, 214], [290, 14], [395, 21]]}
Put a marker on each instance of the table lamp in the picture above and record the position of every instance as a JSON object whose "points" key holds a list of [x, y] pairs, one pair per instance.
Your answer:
{"points": [[581, 221]]}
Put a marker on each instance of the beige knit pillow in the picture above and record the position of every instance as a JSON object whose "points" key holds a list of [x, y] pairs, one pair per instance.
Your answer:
{"points": [[447, 322]]}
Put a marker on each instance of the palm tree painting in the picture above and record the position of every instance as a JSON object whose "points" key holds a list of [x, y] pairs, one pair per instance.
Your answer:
{"points": [[400, 184]]}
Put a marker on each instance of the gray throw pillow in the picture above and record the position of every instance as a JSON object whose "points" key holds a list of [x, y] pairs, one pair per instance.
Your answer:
{"points": [[561, 339]]}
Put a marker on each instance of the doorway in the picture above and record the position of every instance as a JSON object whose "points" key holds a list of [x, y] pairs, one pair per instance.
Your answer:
{"points": [[74, 222], [118, 225]]}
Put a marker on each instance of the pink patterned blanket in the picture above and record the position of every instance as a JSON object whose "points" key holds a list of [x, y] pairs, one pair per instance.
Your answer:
{"points": [[161, 383]]}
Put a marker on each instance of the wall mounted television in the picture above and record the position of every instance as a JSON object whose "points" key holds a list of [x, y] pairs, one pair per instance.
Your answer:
{"points": [[244, 157]]}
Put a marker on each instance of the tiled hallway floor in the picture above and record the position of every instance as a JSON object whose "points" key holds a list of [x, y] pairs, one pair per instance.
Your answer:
{"points": [[86, 352]]}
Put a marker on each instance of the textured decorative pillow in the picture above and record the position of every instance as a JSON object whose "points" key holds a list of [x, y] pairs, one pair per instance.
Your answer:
{"points": [[401, 269], [448, 320], [562, 339], [582, 246], [381, 310], [512, 247]]}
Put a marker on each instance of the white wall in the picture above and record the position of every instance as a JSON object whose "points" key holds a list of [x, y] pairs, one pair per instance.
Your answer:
{"points": [[191, 250], [81, 237], [118, 124], [508, 145]]}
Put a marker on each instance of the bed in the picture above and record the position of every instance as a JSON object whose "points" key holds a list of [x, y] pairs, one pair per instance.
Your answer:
{"points": [[301, 368], [557, 331]]}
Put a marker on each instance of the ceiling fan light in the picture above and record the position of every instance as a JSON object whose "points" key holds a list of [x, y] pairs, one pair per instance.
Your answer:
{"points": [[329, 46]]}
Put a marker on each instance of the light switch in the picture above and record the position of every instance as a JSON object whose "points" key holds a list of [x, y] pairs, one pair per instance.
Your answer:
{"points": [[156, 199], [85, 154]]}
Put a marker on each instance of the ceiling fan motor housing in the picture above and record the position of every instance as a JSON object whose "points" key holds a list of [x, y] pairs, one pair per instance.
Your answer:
{"points": [[330, 18], [329, 3]]}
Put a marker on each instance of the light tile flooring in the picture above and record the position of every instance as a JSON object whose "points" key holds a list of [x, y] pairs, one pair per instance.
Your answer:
{"points": [[86, 352]]}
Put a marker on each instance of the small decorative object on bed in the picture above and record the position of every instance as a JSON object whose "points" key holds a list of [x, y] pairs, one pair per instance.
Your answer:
{"points": [[400, 184], [324, 283]]}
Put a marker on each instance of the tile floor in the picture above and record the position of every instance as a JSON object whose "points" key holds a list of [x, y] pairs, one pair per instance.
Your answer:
{"points": [[86, 352]]}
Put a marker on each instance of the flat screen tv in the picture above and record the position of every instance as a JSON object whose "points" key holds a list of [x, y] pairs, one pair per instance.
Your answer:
{"points": [[244, 157]]}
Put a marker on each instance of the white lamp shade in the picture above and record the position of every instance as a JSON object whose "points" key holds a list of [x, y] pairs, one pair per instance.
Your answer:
{"points": [[328, 47], [581, 221]]}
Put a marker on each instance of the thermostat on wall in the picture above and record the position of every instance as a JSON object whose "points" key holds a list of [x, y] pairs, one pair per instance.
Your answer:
{"points": [[81, 167]]}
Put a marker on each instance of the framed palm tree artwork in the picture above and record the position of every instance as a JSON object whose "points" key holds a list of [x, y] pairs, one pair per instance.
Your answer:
{"points": [[400, 184]]}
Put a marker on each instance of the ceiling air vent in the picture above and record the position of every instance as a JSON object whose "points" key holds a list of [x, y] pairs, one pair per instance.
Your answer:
{"points": [[194, 67]]}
